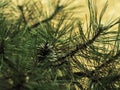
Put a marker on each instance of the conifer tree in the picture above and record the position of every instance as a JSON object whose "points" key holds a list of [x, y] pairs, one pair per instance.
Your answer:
{"points": [[55, 52]]}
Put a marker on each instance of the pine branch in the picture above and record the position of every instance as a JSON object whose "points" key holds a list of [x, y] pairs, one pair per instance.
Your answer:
{"points": [[23, 17], [10, 64], [22, 14], [56, 11], [80, 74], [112, 59], [101, 66], [81, 46], [112, 24], [111, 77], [2, 47], [86, 44]]}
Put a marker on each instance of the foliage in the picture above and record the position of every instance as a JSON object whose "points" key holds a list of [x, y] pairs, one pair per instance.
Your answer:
{"points": [[57, 52]]}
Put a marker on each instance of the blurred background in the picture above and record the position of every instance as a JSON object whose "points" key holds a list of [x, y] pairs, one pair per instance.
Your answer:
{"points": [[111, 13]]}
